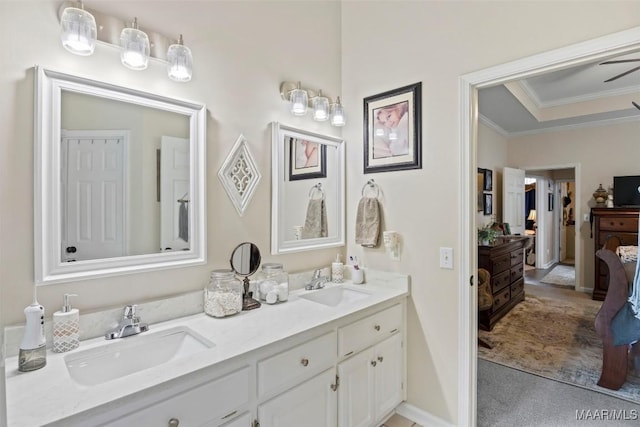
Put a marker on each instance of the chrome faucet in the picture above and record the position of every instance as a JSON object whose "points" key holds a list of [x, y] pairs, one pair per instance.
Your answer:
{"points": [[317, 282], [129, 324]]}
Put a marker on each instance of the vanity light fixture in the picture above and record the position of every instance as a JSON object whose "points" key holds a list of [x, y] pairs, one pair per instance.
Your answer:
{"points": [[300, 99], [180, 62], [135, 47], [78, 30]]}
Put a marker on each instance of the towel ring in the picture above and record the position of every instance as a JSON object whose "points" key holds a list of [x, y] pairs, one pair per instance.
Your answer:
{"points": [[317, 187], [371, 183]]}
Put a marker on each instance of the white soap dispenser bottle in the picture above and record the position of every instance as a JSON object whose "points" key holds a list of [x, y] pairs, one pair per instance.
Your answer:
{"points": [[337, 270], [66, 327]]}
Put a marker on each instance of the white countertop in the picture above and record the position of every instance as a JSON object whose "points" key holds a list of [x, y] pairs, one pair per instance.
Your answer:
{"points": [[49, 394]]}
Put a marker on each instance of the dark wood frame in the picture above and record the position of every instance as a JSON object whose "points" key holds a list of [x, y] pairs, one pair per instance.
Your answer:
{"points": [[312, 175], [488, 179], [480, 194], [487, 203], [371, 103]]}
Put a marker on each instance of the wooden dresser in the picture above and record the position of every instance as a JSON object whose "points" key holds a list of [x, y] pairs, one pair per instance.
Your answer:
{"points": [[619, 222], [504, 261]]}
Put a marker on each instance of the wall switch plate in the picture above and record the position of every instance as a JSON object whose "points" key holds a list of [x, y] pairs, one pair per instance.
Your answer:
{"points": [[446, 258], [586, 217]]}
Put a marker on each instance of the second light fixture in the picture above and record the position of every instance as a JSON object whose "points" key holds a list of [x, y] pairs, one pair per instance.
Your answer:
{"points": [[322, 107]]}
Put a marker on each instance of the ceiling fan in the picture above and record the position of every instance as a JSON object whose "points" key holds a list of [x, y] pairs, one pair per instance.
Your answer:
{"points": [[620, 61]]}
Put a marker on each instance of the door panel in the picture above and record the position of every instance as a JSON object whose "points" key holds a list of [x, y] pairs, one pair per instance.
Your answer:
{"points": [[513, 199]]}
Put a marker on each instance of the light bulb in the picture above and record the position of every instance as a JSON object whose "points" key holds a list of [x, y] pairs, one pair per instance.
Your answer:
{"points": [[135, 47], [180, 62], [78, 31], [320, 108], [337, 114], [299, 101]]}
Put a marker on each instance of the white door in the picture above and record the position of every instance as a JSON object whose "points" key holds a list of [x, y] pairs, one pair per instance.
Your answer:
{"points": [[311, 404], [356, 390], [388, 375], [174, 193], [93, 183], [513, 199]]}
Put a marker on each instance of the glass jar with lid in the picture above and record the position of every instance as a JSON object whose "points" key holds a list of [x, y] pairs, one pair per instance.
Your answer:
{"points": [[223, 294], [272, 285]]}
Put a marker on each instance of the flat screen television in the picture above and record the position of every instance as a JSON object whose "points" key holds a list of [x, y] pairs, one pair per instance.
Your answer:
{"points": [[626, 190]]}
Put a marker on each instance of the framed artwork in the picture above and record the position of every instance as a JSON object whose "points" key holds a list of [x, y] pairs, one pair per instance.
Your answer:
{"points": [[308, 159], [480, 176], [550, 204], [488, 204], [392, 130], [488, 179]]}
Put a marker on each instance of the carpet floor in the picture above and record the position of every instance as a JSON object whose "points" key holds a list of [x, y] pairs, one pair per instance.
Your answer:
{"points": [[563, 275], [554, 339]]}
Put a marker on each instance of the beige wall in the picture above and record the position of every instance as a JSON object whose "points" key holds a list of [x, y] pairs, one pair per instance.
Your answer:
{"points": [[601, 152], [492, 154], [387, 45]]}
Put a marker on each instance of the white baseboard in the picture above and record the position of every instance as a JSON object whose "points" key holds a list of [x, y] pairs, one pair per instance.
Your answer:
{"points": [[417, 415]]}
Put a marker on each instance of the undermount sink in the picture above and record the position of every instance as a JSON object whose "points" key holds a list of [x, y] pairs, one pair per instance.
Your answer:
{"points": [[133, 354], [336, 295]]}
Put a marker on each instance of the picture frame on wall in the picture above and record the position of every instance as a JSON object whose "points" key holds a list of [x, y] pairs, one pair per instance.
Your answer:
{"points": [[480, 198], [392, 130], [488, 179], [488, 204], [308, 159]]}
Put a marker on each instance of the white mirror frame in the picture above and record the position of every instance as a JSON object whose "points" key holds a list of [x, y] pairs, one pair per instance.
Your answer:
{"points": [[278, 151], [49, 268]]}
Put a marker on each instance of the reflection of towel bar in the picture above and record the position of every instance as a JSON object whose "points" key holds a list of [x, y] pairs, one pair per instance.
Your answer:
{"points": [[182, 199], [371, 183], [317, 187]]}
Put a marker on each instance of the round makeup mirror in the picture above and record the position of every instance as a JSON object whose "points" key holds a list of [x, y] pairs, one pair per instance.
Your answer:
{"points": [[245, 260]]}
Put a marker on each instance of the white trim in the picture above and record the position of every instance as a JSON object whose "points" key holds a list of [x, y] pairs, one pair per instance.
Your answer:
{"points": [[575, 99], [421, 417], [492, 125], [580, 53], [590, 124]]}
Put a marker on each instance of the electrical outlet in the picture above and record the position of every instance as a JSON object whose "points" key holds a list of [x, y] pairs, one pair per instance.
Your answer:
{"points": [[586, 217], [446, 258]]}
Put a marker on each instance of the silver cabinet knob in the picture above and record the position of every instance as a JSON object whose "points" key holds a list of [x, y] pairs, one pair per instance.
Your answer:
{"points": [[173, 422], [304, 361]]}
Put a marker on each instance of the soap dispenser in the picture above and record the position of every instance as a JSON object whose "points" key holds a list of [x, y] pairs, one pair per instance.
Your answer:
{"points": [[33, 349], [66, 327], [337, 270]]}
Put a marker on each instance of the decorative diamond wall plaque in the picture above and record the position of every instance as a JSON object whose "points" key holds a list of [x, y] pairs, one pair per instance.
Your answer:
{"points": [[239, 175]]}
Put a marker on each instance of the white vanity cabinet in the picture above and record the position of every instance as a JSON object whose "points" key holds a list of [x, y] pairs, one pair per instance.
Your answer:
{"points": [[371, 380]]}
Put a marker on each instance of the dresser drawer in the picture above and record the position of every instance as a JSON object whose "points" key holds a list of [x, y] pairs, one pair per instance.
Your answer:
{"points": [[626, 238], [517, 287], [516, 272], [517, 257], [499, 281], [296, 364], [365, 332], [500, 263], [501, 298], [621, 224]]}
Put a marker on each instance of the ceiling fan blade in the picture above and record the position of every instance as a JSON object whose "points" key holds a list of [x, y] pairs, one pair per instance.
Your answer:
{"points": [[636, 105], [619, 61], [622, 75]]}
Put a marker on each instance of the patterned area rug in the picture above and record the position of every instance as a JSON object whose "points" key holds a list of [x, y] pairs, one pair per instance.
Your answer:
{"points": [[554, 339], [563, 275]]}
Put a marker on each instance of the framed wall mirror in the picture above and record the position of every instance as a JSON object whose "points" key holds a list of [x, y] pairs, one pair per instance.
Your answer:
{"points": [[307, 205], [119, 180]]}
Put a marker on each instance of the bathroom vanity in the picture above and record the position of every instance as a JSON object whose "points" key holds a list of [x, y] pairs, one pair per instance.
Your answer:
{"points": [[328, 357]]}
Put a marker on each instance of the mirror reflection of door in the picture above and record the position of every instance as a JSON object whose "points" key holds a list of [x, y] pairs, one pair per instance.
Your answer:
{"points": [[174, 193], [93, 171]]}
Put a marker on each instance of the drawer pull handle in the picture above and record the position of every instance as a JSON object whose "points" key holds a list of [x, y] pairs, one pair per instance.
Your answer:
{"points": [[376, 327], [304, 362], [380, 359], [173, 422], [229, 415]]}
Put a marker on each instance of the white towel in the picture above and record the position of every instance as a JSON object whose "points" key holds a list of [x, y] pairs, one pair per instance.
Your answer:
{"points": [[368, 222], [315, 224], [183, 221]]}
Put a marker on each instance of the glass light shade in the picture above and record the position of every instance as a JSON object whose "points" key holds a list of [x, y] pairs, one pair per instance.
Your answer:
{"points": [[180, 62], [320, 108], [379, 131], [135, 48], [299, 101], [393, 135], [337, 114], [78, 31]]}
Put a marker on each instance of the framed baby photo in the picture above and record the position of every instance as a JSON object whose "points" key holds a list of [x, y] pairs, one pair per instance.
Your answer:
{"points": [[308, 159], [392, 130]]}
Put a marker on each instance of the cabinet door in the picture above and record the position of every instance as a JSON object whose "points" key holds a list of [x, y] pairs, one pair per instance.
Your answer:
{"points": [[388, 375], [355, 393], [311, 404]]}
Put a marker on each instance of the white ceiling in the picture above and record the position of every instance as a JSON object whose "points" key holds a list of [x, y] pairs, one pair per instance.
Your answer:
{"points": [[568, 98]]}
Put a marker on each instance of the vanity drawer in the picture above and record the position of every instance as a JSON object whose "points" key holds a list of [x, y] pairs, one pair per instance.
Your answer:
{"points": [[500, 263], [296, 364], [367, 331], [212, 403]]}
